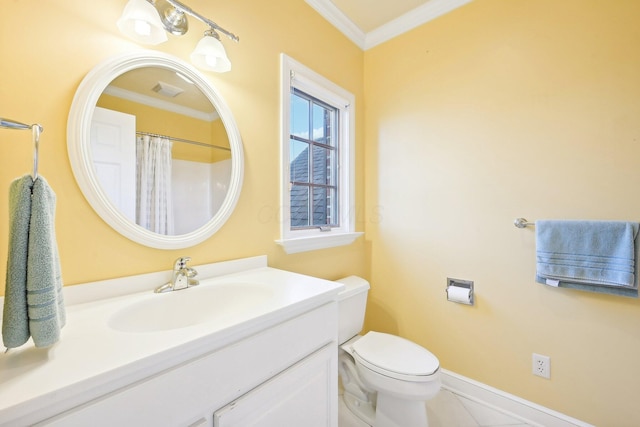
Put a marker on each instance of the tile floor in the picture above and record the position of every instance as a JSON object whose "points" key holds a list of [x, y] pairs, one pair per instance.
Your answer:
{"points": [[449, 410]]}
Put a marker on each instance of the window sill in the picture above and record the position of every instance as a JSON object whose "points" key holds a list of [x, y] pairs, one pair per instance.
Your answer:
{"points": [[304, 244]]}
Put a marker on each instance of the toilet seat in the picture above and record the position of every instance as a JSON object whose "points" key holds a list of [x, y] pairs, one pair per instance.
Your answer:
{"points": [[395, 357]]}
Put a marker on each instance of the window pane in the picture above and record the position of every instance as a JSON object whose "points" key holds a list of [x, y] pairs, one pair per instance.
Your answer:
{"points": [[299, 116], [299, 206], [321, 124], [320, 204], [299, 161], [322, 165], [325, 207]]}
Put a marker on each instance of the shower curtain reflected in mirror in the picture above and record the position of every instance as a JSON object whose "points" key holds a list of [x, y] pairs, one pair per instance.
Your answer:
{"points": [[154, 202]]}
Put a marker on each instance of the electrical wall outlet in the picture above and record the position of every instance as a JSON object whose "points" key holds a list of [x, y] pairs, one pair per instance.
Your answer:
{"points": [[541, 366]]}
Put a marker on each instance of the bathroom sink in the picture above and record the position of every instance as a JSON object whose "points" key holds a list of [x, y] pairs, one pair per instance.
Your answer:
{"points": [[189, 307]]}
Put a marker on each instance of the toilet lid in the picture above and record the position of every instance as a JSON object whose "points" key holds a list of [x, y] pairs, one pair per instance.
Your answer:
{"points": [[394, 356]]}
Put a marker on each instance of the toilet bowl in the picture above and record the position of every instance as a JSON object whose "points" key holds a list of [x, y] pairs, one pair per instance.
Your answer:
{"points": [[386, 378]]}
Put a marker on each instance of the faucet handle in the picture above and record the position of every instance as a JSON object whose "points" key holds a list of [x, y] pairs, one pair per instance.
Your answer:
{"points": [[181, 263], [190, 272]]}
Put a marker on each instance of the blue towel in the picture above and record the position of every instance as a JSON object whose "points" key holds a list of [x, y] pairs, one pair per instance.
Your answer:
{"points": [[34, 304], [597, 256]]}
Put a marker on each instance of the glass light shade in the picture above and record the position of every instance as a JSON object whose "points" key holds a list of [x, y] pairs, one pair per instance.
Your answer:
{"points": [[209, 54], [140, 21]]}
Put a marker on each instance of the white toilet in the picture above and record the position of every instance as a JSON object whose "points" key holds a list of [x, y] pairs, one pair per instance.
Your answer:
{"points": [[386, 378]]}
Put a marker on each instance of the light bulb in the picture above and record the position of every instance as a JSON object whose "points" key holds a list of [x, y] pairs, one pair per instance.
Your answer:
{"points": [[142, 28], [211, 60]]}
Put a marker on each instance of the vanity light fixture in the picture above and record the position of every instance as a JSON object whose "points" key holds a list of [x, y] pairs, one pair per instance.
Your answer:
{"points": [[173, 19], [209, 53], [144, 20], [140, 21]]}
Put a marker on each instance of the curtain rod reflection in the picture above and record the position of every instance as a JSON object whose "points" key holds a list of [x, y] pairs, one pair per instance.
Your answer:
{"points": [[188, 141]]}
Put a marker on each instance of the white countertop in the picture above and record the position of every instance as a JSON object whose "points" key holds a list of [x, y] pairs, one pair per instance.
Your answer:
{"points": [[92, 358]]}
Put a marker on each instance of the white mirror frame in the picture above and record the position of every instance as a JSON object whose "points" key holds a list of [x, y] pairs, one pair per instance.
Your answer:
{"points": [[79, 150]]}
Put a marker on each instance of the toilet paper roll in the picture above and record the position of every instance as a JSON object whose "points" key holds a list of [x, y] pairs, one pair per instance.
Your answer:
{"points": [[458, 294]]}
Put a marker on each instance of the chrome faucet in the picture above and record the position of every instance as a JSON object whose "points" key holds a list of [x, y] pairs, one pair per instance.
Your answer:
{"points": [[183, 277]]}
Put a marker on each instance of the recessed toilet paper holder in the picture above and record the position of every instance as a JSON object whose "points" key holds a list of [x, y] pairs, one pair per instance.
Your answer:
{"points": [[460, 291]]}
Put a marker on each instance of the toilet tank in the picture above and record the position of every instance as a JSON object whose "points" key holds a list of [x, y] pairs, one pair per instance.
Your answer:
{"points": [[352, 303]]}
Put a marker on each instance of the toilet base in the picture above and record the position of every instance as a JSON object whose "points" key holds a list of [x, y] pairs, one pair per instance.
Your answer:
{"points": [[415, 416], [346, 417], [365, 411], [395, 412]]}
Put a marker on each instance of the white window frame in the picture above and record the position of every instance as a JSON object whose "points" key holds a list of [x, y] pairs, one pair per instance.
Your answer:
{"points": [[296, 75]]}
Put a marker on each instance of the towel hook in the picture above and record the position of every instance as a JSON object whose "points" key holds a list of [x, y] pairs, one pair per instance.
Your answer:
{"points": [[36, 130]]}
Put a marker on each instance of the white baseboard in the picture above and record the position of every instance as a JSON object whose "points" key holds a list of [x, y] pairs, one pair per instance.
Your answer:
{"points": [[514, 406]]}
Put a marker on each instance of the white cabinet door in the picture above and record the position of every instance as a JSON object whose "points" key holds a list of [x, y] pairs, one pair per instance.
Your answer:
{"points": [[303, 395]]}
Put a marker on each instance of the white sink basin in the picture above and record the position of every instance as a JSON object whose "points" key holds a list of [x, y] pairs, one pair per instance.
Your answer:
{"points": [[188, 307]]}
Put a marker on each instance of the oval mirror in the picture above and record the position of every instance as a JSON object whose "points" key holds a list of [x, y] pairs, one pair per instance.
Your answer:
{"points": [[155, 149]]}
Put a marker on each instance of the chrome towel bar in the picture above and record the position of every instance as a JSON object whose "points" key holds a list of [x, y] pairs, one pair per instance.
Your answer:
{"points": [[12, 124], [523, 223]]}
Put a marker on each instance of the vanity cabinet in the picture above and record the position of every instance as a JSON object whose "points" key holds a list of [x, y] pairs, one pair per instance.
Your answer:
{"points": [[285, 375], [292, 398]]}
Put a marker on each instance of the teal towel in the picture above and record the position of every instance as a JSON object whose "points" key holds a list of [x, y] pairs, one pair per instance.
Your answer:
{"points": [[35, 276], [597, 256], [15, 320], [44, 281]]}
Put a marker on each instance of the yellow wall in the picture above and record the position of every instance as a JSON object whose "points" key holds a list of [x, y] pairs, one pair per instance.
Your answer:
{"points": [[48, 47], [498, 110]]}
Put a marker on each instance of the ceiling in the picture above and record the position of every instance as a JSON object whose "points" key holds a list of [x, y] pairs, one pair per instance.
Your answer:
{"points": [[369, 15], [371, 22], [141, 85]]}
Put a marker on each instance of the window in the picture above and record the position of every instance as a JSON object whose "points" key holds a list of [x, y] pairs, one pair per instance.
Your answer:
{"points": [[317, 161], [313, 170]]}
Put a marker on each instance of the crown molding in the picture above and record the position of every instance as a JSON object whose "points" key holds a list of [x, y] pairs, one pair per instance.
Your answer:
{"points": [[339, 20], [410, 20], [161, 104]]}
